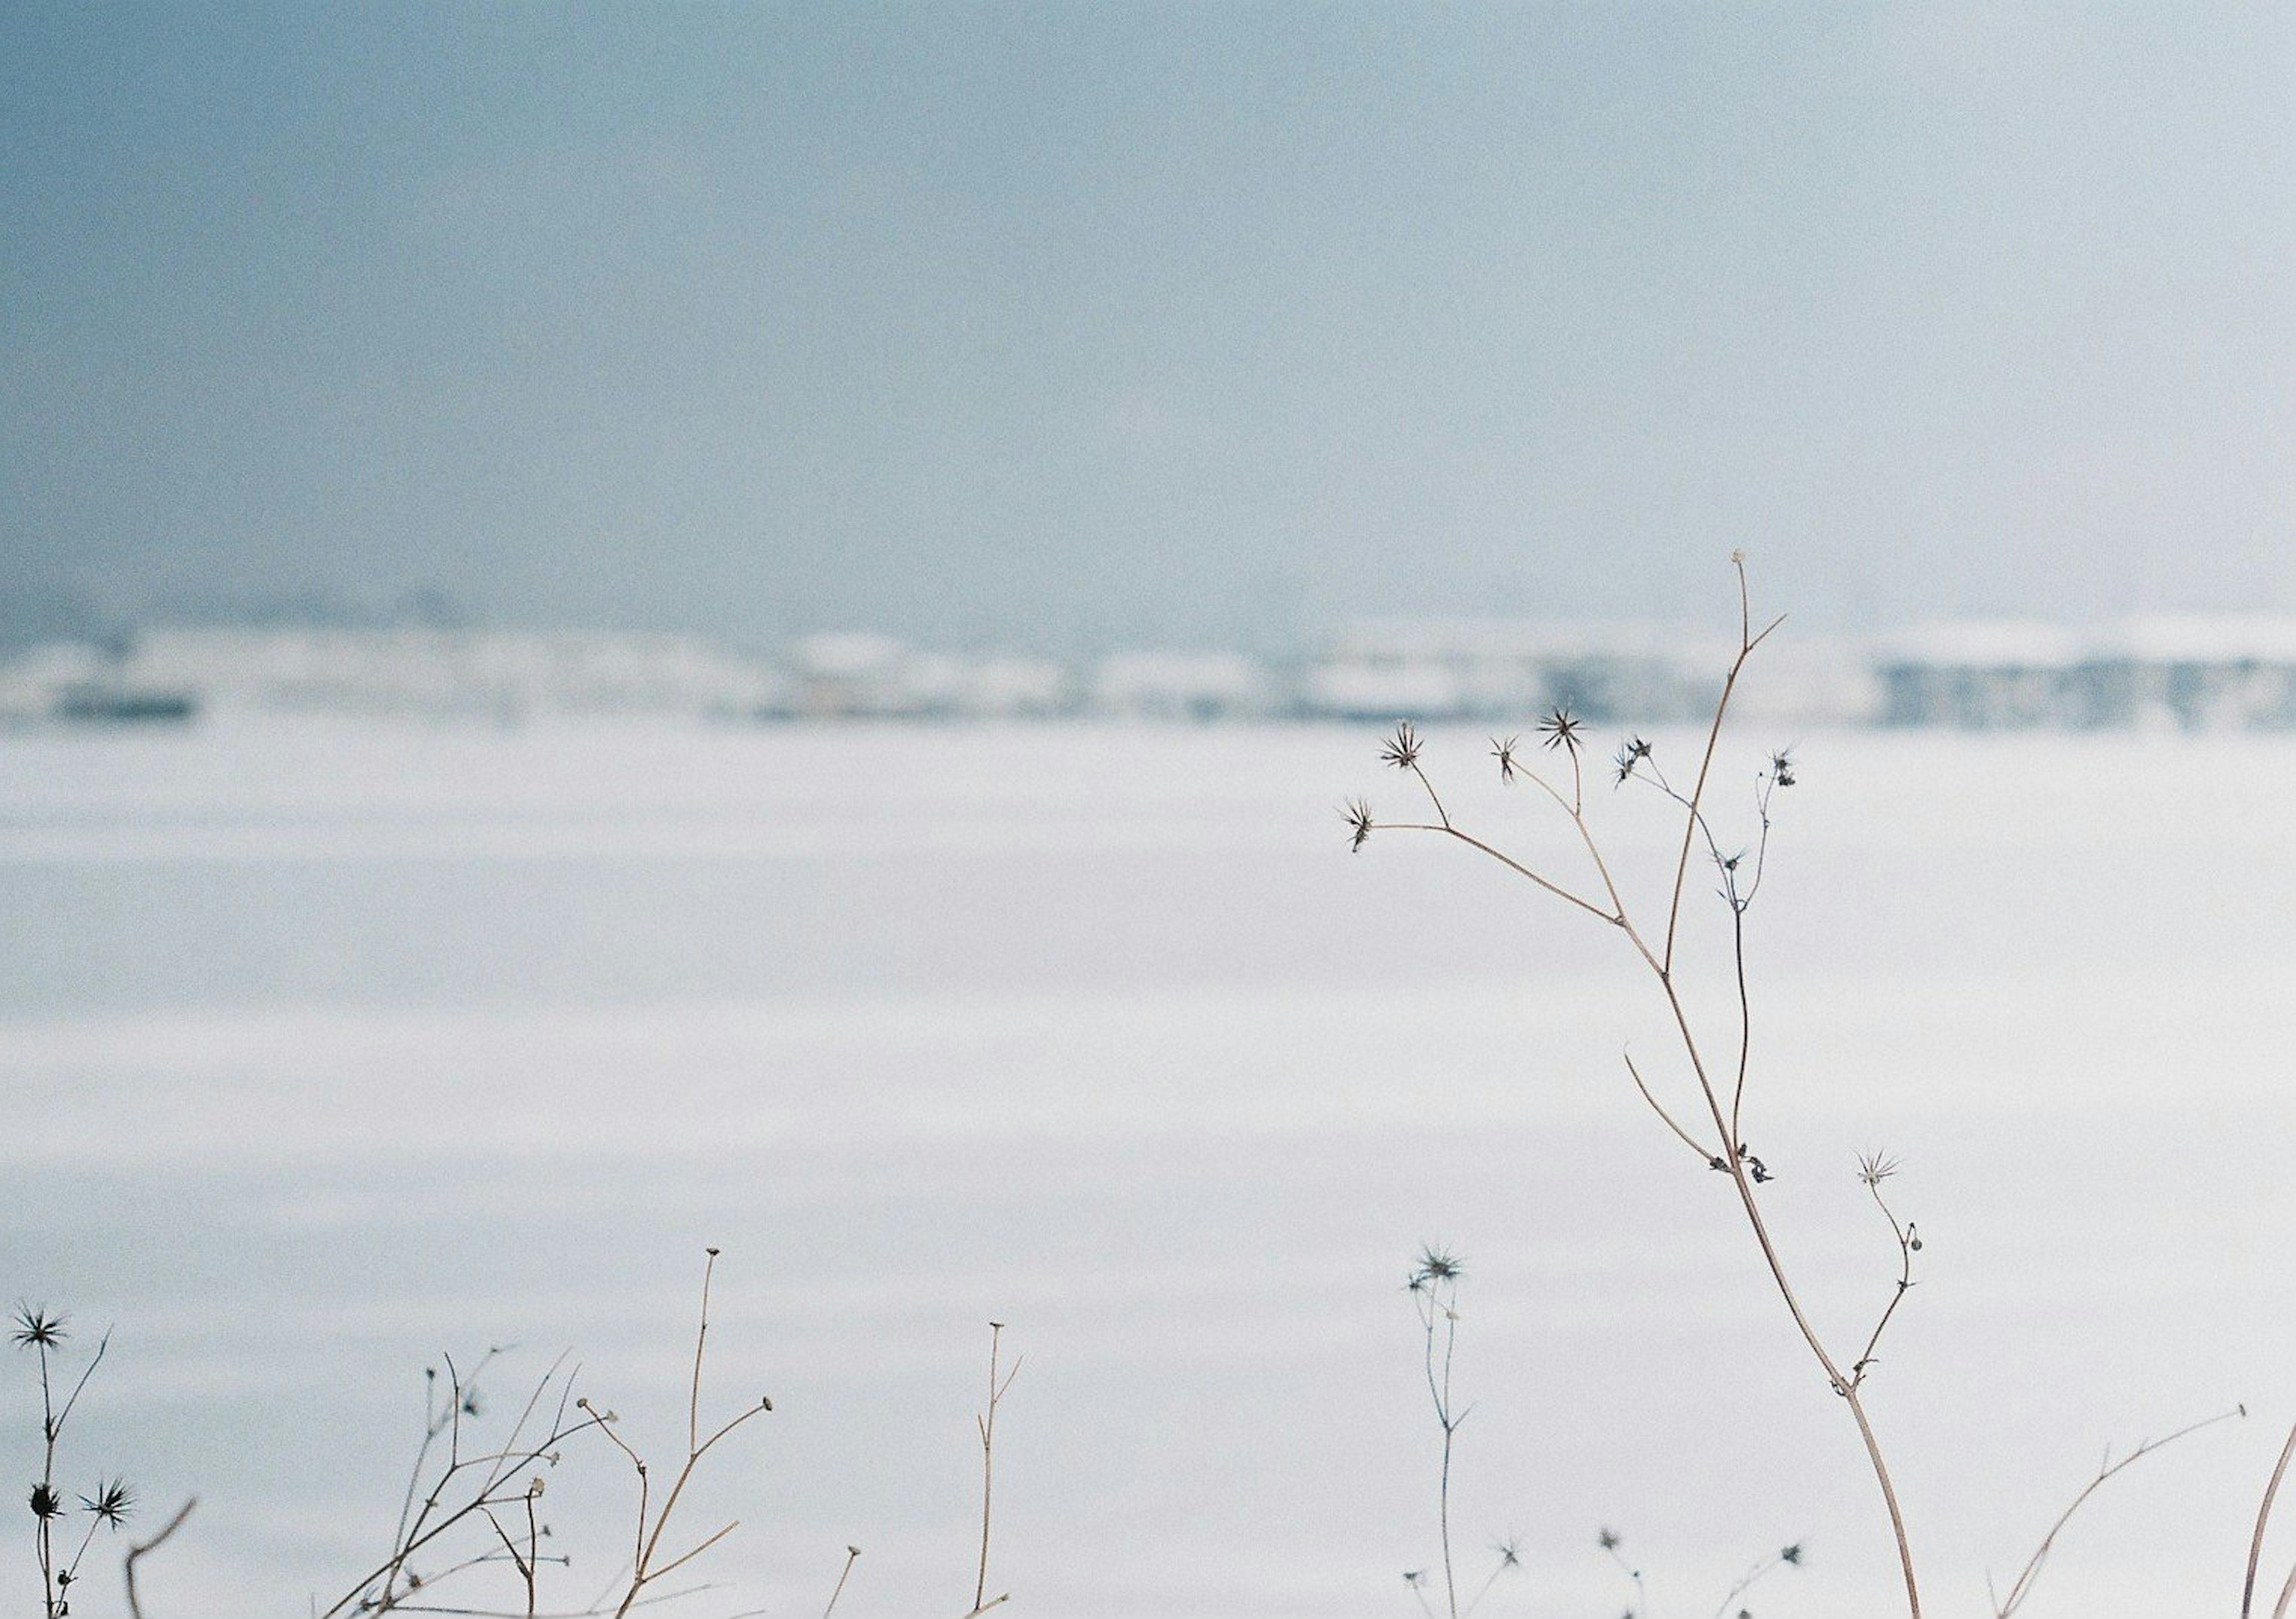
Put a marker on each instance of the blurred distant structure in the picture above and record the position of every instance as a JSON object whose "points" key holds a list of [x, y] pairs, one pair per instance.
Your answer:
{"points": [[2156, 673], [2186, 673], [1613, 674]]}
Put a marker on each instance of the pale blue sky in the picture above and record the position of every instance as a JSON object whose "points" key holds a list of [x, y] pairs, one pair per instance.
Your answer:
{"points": [[1077, 325]]}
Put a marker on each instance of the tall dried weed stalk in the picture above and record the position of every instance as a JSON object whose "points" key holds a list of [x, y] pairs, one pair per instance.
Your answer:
{"points": [[1713, 1125], [1715, 1132]]}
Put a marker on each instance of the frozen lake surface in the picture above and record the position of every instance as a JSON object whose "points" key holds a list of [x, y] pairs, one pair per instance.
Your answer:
{"points": [[325, 1051]]}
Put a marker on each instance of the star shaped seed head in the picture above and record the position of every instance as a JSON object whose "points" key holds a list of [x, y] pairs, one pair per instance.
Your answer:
{"points": [[1562, 728], [112, 1503], [1436, 1264], [36, 1328], [1875, 1167], [1359, 823], [1503, 752], [1402, 748]]}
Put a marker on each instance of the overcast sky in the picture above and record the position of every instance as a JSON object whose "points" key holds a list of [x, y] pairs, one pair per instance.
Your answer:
{"points": [[1075, 325]]}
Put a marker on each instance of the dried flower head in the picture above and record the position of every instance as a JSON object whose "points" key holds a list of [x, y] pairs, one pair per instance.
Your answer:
{"points": [[1875, 1168], [1791, 1554], [1436, 1265], [1608, 1540], [46, 1503], [1402, 748], [36, 1328], [1561, 727], [1631, 753], [1360, 822], [1503, 752], [1781, 767], [1510, 1550], [112, 1502]]}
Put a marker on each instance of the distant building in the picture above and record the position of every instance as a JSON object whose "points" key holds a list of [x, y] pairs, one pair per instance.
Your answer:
{"points": [[2191, 673], [1192, 686], [1986, 675], [855, 675], [1499, 670], [2187, 672], [445, 674]]}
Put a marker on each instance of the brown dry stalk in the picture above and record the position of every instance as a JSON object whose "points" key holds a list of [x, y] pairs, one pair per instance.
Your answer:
{"points": [[1733, 1157], [2003, 1607], [2256, 1540], [140, 1550], [986, 1421]]}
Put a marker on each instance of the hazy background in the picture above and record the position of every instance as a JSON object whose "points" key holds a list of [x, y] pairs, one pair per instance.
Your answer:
{"points": [[1071, 326]]}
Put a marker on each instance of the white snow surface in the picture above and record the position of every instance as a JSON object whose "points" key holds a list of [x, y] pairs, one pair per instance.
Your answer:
{"points": [[325, 1050]]}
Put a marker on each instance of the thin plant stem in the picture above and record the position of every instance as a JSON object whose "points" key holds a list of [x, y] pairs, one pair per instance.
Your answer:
{"points": [[2023, 1588], [852, 1556], [2263, 1518], [986, 1421], [1704, 1157], [140, 1550], [1874, 1171]]}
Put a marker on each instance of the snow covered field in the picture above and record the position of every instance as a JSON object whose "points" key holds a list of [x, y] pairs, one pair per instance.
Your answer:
{"points": [[325, 1050]]}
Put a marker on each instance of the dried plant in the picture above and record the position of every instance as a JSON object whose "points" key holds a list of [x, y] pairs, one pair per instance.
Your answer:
{"points": [[999, 1380], [1715, 1131], [1718, 1138], [461, 1490], [141, 1549], [647, 1563], [1433, 1285], [111, 1501], [2256, 1540], [1786, 1557], [471, 1505], [2023, 1588]]}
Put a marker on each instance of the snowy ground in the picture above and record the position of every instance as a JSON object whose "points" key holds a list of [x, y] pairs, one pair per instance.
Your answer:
{"points": [[324, 1051]]}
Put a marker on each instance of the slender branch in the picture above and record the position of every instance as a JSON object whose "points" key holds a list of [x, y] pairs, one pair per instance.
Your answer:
{"points": [[1515, 866], [852, 1556], [1874, 1171], [1688, 1140], [2264, 1517], [1441, 813], [2023, 1588], [987, 1423], [139, 1549]]}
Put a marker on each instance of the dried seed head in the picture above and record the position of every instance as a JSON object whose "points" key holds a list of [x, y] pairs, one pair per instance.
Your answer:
{"points": [[112, 1502], [1402, 748], [1436, 1265], [1875, 1168]]}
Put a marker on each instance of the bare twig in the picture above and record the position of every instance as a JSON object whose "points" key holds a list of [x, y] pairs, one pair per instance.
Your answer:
{"points": [[986, 1422], [139, 1549], [2023, 1588], [852, 1556], [2263, 1520]]}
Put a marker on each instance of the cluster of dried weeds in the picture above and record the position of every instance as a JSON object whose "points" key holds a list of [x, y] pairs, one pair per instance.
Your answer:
{"points": [[472, 1536]]}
